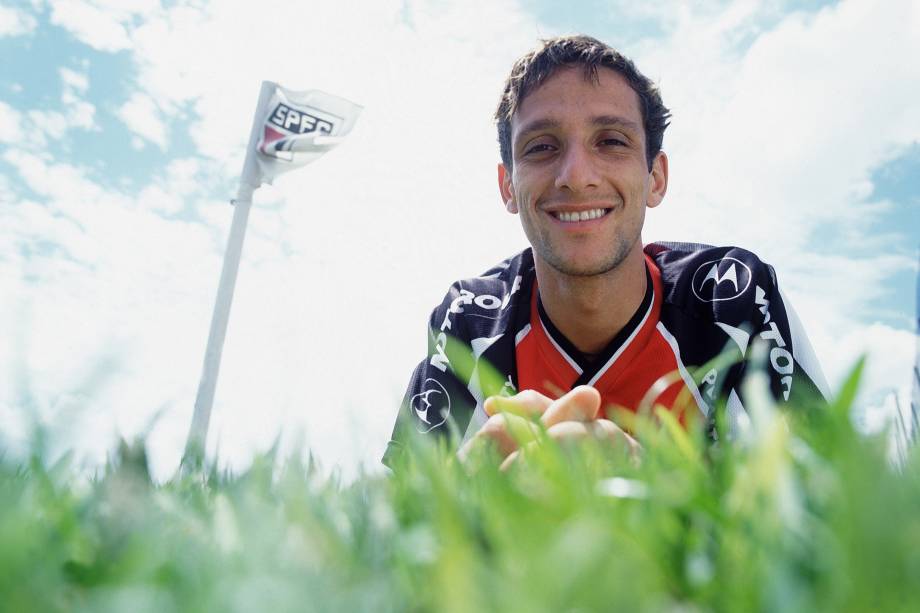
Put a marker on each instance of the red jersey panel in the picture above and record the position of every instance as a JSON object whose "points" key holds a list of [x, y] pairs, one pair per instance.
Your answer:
{"points": [[640, 367]]}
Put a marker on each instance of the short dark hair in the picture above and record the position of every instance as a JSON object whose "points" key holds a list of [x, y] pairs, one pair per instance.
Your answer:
{"points": [[534, 68]]}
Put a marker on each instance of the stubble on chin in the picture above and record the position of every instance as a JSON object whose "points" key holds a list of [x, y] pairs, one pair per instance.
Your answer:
{"points": [[611, 261]]}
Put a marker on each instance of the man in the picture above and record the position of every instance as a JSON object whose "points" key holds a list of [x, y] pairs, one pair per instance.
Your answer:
{"points": [[588, 320]]}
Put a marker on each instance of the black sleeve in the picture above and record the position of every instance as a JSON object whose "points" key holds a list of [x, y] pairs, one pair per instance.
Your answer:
{"points": [[787, 356], [725, 307], [436, 399]]}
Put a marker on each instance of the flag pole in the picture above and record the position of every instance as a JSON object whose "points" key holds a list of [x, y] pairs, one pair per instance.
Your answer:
{"points": [[301, 126], [204, 401], [915, 396]]}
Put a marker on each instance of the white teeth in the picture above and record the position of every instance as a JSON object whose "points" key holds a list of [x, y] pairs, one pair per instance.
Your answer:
{"points": [[580, 215]]}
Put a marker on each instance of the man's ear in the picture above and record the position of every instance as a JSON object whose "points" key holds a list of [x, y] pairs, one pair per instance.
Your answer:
{"points": [[506, 188], [658, 180]]}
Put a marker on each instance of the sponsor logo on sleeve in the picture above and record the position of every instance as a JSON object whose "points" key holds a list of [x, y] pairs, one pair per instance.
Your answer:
{"points": [[780, 357], [489, 307], [719, 280], [431, 406]]}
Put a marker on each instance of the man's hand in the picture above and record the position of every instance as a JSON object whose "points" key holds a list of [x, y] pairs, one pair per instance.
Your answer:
{"points": [[571, 418], [508, 417]]}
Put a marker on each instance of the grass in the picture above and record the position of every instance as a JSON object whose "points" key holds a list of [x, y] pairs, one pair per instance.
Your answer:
{"points": [[800, 514]]}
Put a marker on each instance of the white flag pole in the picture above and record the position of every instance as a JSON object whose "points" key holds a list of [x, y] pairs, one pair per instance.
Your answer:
{"points": [[249, 182], [289, 129]]}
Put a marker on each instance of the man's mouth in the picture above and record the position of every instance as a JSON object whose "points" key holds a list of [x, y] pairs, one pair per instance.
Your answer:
{"points": [[572, 216]]}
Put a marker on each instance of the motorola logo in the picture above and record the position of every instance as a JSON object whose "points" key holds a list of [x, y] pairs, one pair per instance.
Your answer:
{"points": [[718, 280]]}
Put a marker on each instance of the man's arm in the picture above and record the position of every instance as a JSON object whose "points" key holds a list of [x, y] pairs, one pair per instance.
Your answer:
{"points": [[790, 363], [436, 395]]}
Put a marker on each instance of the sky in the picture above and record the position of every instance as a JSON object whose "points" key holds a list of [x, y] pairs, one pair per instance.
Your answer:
{"points": [[123, 126]]}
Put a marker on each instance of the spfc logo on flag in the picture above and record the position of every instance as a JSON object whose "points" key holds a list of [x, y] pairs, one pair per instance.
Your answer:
{"points": [[287, 122], [293, 128]]}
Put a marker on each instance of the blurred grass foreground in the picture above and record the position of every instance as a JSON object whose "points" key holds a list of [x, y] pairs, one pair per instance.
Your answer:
{"points": [[800, 513]]}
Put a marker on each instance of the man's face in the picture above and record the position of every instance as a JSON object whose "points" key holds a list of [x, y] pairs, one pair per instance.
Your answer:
{"points": [[580, 179]]}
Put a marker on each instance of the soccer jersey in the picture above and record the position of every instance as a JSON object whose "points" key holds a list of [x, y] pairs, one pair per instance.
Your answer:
{"points": [[684, 348], [637, 368]]}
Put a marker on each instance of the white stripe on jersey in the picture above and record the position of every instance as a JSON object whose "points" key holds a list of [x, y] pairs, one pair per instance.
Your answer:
{"points": [[802, 351], [561, 351], [688, 380], [739, 424], [520, 335], [619, 352]]}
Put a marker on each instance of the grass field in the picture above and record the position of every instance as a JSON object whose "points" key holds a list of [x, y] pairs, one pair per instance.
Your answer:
{"points": [[800, 514]]}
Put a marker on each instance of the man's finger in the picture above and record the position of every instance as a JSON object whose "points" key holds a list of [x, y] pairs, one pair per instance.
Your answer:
{"points": [[503, 430], [600, 429], [581, 404], [512, 458], [569, 432], [528, 403]]}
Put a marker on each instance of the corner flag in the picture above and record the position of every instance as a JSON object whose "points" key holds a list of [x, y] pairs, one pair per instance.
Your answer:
{"points": [[289, 129], [293, 128]]}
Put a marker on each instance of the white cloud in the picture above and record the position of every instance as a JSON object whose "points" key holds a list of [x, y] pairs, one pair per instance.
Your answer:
{"points": [[104, 25], [6, 191], [781, 137], [61, 183], [344, 296], [108, 304], [80, 113], [889, 358], [318, 294], [183, 182], [344, 260], [10, 124], [819, 280], [44, 124], [770, 132], [77, 81], [97, 24], [895, 405], [142, 116], [51, 124], [15, 22]]}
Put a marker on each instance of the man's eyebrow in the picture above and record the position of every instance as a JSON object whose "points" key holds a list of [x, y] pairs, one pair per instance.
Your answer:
{"points": [[615, 120], [538, 125]]}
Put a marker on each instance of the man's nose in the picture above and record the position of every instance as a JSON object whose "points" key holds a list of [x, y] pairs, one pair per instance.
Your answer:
{"points": [[577, 170]]}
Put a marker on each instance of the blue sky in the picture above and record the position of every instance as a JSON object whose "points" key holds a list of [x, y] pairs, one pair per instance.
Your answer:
{"points": [[122, 128], [898, 182]]}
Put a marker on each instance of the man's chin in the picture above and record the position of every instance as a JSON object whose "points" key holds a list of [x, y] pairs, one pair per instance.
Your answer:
{"points": [[585, 262], [579, 267]]}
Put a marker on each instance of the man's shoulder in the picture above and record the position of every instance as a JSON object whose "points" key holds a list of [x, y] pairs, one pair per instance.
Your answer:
{"points": [[499, 281], [519, 264], [487, 301], [738, 292], [679, 255], [706, 280]]}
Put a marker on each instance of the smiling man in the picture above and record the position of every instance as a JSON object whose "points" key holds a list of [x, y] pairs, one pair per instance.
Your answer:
{"points": [[588, 320]]}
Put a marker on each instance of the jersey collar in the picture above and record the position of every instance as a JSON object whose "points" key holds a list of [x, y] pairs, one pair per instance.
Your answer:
{"points": [[592, 368]]}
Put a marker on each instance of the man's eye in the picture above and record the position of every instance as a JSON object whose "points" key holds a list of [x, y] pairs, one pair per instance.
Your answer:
{"points": [[611, 142], [538, 148]]}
